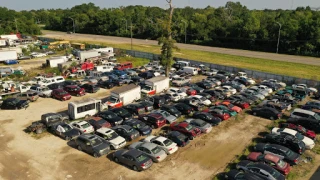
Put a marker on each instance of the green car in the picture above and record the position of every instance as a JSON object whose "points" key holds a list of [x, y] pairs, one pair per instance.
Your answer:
{"points": [[225, 110]]}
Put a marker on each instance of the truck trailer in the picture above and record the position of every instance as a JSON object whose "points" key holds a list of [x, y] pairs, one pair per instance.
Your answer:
{"points": [[155, 85], [54, 62], [124, 96], [83, 55], [8, 55]]}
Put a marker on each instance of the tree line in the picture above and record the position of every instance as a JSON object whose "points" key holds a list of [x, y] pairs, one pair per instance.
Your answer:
{"points": [[231, 26]]}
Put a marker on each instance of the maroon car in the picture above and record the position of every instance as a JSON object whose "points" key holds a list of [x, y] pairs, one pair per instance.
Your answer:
{"points": [[75, 90], [155, 120], [186, 129], [98, 122], [300, 129], [271, 160], [60, 94]]}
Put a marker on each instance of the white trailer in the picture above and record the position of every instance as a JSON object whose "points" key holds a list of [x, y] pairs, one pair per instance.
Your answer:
{"points": [[3, 42], [54, 62], [124, 96], [83, 55], [8, 55], [103, 68], [155, 85], [106, 49], [17, 49]]}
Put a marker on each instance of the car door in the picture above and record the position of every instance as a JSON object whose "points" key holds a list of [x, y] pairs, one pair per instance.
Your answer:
{"points": [[128, 160], [87, 146]]}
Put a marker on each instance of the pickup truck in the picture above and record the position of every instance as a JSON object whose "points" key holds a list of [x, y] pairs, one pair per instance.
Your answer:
{"points": [[179, 81], [42, 91]]}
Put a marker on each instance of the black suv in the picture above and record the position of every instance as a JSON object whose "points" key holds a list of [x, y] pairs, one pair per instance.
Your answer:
{"points": [[184, 108], [122, 112], [111, 117], [92, 144], [172, 110], [127, 132], [157, 101], [90, 88], [135, 109], [266, 112], [14, 103], [286, 140]]}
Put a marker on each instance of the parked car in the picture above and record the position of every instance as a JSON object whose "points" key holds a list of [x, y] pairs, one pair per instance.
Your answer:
{"points": [[240, 175], [260, 169], [135, 109], [147, 105], [300, 129], [75, 90], [127, 132], [116, 141], [186, 129], [309, 123], [230, 106], [83, 126], [155, 120], [194, 104], [282, 152], [218, 113], [122, 112], [52, 119], [28, 96], [271, 160], [98, 122], [169, 118], [92, 144], [90, 88], [150, 149], [202, 125], [65, 131], [266, 112], [111, 117], [207, 117], [106, 84], [286, 140], [142, 127], [133, 158], [41, 90], [179, 138], [14, 103], [202, 100], [224, 109], [171, 109], [60, 94], [184, 108], [164, 143]]}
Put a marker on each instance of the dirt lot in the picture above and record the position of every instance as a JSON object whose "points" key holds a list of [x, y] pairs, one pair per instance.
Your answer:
{"points": [[48, 157]]}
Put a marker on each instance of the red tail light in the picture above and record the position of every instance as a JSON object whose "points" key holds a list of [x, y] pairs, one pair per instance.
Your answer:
{"points": [[279, 115], [158, 157], [170, 149], [131, 136], [84, 130], [142, 165], [296, 160], [300, 150], [188, 111], [159, 105]]}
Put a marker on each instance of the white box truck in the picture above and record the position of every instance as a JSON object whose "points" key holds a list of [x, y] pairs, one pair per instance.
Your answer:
{"points": [[3, 42], [83, 55], [155, 85], [8, 55], [54, 62], [124, 96]]}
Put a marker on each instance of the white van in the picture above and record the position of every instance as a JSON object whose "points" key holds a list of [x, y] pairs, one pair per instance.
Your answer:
{"points": [[190, 70], [56, 79], [301, 113], [103, 68]]}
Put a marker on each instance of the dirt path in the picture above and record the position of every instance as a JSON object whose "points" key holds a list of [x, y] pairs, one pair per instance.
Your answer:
{"points": [[253, 54]]}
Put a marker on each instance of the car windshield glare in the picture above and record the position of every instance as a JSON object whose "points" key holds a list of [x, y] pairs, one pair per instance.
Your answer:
{"points": [[86, 125], [111, 136], [281, 163], [141, 158], [96, 142], [167, 142], [189, 127], [317, 116], [156, 150]]}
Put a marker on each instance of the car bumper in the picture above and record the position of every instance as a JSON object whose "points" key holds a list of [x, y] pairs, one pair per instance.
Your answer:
{"points": [[173, 150]]}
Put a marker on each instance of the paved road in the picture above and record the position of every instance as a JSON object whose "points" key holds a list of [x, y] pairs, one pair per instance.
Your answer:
{"points": [[254, 54]]}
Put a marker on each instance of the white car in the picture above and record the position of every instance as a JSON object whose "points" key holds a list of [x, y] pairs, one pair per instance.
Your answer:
{"points": [[37, 55], [178, 91], [202, 100], [211, 72], [41, 90], [173, 96], [229, 88], [83, 126], [214, 80], [307, 141], [164, 143], [282, 84], [260, 91], [116, 141], [251, 81], [310, 89], [263, 87]]}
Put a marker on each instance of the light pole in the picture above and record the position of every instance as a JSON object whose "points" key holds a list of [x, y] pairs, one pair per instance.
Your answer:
{"points": [[15, 21], [126, 24], [185, 31], [278, 37], [74, 29]]}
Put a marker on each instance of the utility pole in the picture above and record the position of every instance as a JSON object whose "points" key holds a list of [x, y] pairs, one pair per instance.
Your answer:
{"points": [[126, 24], [73, 24], [15, 21], [278, 37], [131, 37], [185, 31]]}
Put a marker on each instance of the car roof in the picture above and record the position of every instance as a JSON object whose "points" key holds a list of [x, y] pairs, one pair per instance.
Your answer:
{"points": [[105, 130], [271, 158], [254, 155], [133, 152], [183, 124], [148, 145]]}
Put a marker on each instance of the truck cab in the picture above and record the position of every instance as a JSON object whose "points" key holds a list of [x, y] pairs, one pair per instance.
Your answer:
{"points": [[148, 90], [114, 102]]}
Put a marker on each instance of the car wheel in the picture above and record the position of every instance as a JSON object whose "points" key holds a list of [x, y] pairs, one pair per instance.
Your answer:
{"points": [[78, 95], [152, 126], [254, 113], [68, 138], [191, 137], [271, 118], [95, 155], [79, 148], [116, 160], [135, 168]]}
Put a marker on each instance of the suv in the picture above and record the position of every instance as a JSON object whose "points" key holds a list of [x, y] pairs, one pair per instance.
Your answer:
{"points": [[75, 90], [14, 103], [50, 119], [28, 96], [90, 88], [60, 94], [155, 120], [42, 91], [92, 144], [286, 140]]}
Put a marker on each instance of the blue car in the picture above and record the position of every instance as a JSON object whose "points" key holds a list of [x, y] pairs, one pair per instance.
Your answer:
{"points": [[9, 62]]}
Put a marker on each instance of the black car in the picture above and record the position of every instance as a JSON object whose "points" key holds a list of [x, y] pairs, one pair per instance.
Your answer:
{"points": [[240, 98], [166, 98], [65, 131], [122, 112], [136, 79], [196, 87], [90, 88], [271, 85], [172, 110], [215, 94], [147, 105], [250, 96], [146, 75], [207, 117], [92, 144], [56, 86], [135, 109], [69, 83], [308, 123], [239, 175], [266, 112], [179, 138], [260, 169], [288, 141], [142, 127], [204, 85], [106, 84], [118, 82], [14, 103], [280, 151], [111, 117], [242, 81], [286, 98], [127, 132], [157, 101], [184, 108]]}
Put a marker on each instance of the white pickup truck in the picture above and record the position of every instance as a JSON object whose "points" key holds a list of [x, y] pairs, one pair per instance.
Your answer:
{"points": [[42, 91]]}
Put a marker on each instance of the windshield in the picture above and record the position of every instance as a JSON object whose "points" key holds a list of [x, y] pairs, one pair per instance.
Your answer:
{"points": [[299, 136], [62, 92], [122, 112], [101, 121], [86, 125], [130, 130], [203, 99], [45, 89], [95, 142], [189, 127], [67, 128], [148, 88], [111, 115], [112, 100], [141, 158], [281, 163], [167, 142], [317, 116], [111, 136], [156, 150]]}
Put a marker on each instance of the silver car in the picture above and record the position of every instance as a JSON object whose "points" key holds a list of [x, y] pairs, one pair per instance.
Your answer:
{"points": [[170, 118], [150, 149], [202, 125], [164, 143], [260, 91]]}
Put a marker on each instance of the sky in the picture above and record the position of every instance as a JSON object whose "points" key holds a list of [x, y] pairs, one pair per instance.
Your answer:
{"points": [[251, 4]]}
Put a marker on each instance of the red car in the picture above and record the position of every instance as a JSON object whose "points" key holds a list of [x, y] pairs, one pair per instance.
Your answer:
{"points": [[218, 113], [230, 106], [186, 129], [98, 122], [191, 92], [155, 120], [75, 90], [241, 104], [271, 160], [60, 94], [300, 129]]}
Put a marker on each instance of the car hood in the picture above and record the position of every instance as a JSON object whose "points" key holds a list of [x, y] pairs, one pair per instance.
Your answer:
{"points": [[307, 141], [102, 146], [170, 118], [144, 128], [117, 140]]}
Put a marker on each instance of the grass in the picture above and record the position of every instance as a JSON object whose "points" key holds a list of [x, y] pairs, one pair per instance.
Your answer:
{"points": [[136, 62], [257, 64]]}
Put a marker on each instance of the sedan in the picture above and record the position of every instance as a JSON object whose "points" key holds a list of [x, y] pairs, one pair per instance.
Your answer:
{"points": [[202, 125], [186, 129], [239, 175], [111, 117], [183, 108], [170, 118], [150, 149], [288, 141], [139, 126], [171, 109], [164, 143], [60, 94], [180, 139], [121, 112], [75, 90], [127, 132], [98, 122], [209, 118], [133, 158], [266, 112], [116, 141]]}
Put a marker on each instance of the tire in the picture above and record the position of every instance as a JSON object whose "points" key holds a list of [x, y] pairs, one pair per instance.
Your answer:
{"points": [[271, 118], [191, 137], [116, 160], [135, 168], [95, 155], [68, 138], [254, 113], [79, 148], [39, 131]]}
